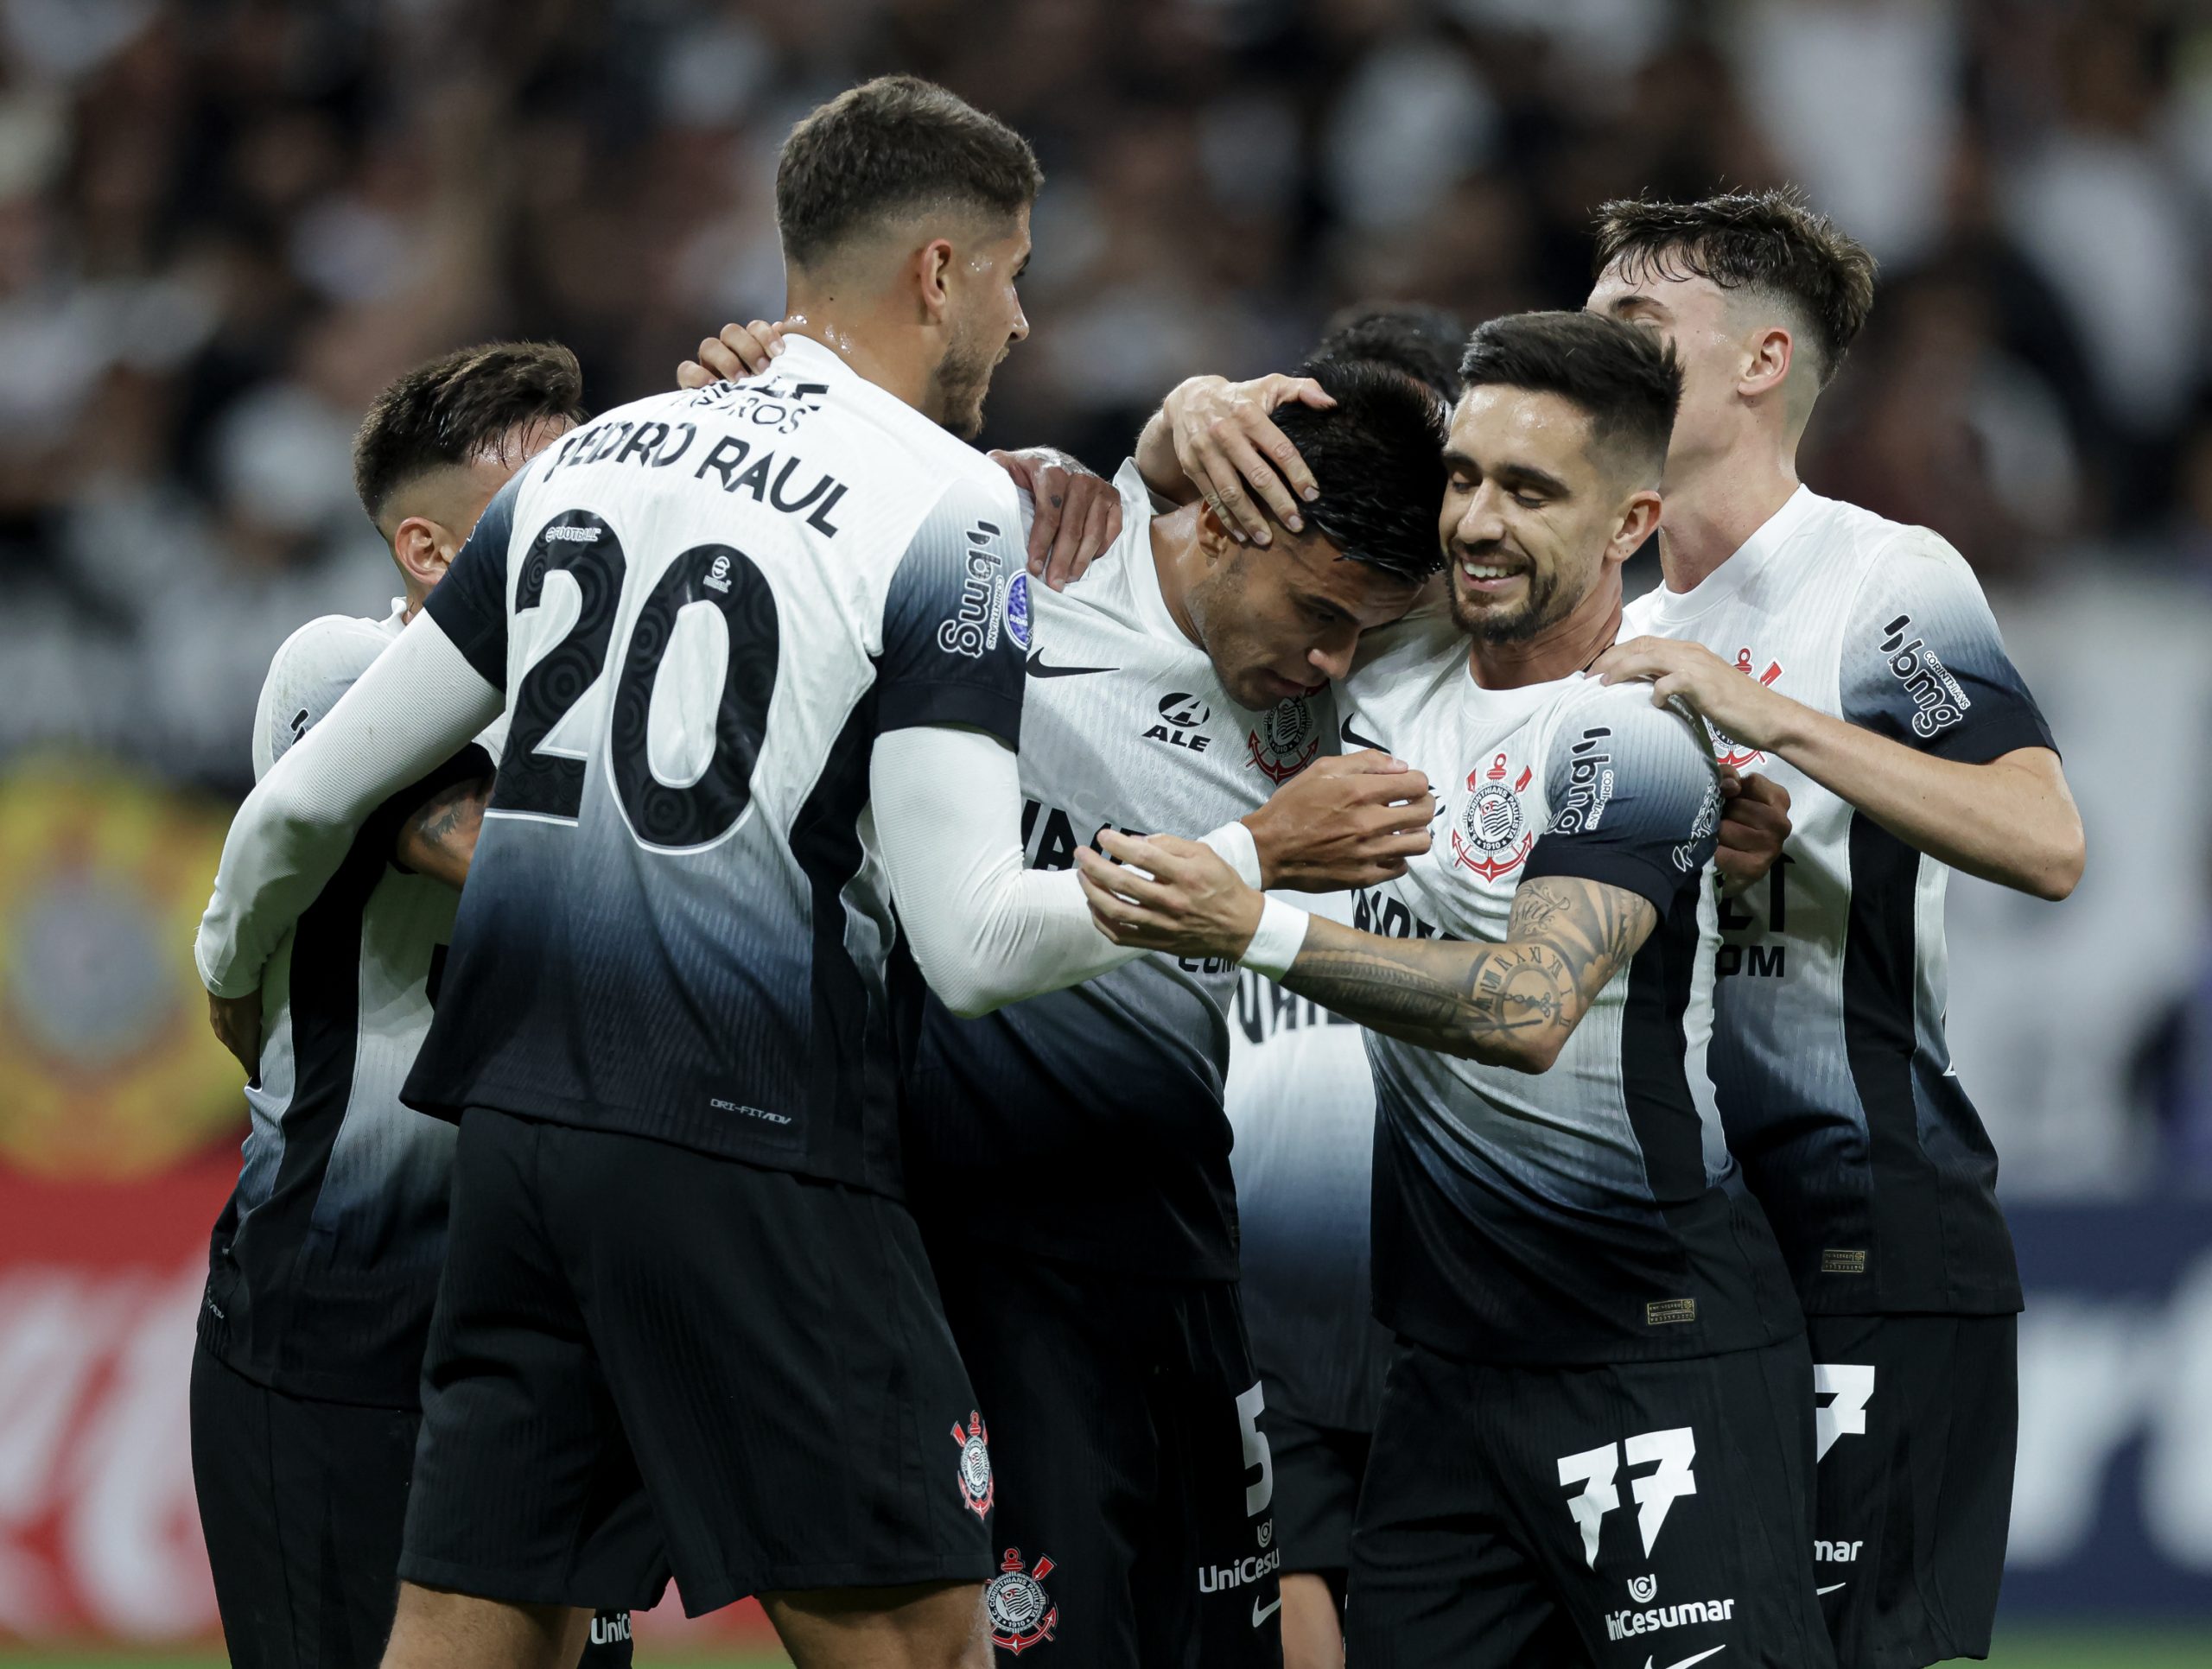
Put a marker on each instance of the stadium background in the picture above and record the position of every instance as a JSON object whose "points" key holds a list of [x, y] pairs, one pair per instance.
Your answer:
{"points": [[224, 224]]}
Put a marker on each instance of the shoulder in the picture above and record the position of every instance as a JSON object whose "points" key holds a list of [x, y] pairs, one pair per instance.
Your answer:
{"points": [[1624, 716], [1881, 553], [313, 668], [985, 503], [331, 648]]}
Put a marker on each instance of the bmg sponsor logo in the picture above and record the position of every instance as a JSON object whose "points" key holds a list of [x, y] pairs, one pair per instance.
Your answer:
{"points": [[1937, 699]]}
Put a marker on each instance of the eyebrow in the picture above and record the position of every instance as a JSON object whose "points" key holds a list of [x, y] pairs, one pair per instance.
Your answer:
{"points": [[1636, 299], [1509, 475]]}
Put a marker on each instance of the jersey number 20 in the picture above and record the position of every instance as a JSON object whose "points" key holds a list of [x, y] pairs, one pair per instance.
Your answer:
{"points": [[538, 782]]}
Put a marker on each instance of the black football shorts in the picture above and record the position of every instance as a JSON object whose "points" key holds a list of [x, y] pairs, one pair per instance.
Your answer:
{"points": [[1644, 1515], [1318, 1471], [647, 1360], [302, 1501], [1136, 1522], [1918, 1418]]}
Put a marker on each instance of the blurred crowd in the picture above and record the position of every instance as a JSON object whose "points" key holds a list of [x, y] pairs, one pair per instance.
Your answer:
{"points": [[225, 223]]}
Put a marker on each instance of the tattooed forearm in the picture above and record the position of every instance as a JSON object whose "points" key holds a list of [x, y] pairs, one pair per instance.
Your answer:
{"points": [[439, 838], [1511, 1005]]}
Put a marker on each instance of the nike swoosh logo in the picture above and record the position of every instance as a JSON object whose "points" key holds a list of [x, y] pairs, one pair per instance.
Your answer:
{"points": [[1038, 670], [1684, 1663], [1831, 1587], [1262, 1613], [1359, 740]]}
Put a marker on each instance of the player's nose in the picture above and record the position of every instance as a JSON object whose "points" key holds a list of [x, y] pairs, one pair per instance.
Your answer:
{"points": [[1333, 656], [1483, 522]]}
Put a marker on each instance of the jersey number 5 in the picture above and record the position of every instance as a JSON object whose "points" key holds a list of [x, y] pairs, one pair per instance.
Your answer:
{"points": [[542, 775]]}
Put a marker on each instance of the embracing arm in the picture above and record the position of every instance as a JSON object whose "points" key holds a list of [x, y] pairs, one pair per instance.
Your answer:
{"points": [[2011, 820], [416, 706], [984, 929], [1512, 1005]]}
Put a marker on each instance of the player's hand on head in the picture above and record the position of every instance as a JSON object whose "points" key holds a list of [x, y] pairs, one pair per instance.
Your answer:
{"points": [[1161, 892], [1346, 820], [1754, 824], [1229, 447], [1078, 513], [738, 351], [236, 1023]]}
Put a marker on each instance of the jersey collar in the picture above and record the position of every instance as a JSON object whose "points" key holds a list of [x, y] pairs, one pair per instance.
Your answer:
{"points": [[1744, 565]]}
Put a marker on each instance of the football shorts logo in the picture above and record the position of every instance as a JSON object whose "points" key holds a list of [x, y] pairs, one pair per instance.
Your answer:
{"points": [[1022, 1614], [1285, 740], [1493, 836], [1732, 753], [1643, 1590], [977, 1487]]}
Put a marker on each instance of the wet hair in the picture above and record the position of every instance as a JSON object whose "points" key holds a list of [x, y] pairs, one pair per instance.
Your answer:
{"points": [[1422, 342], [1377, 459], [459, 406], [890, 145], [1773, 242], [1625, 379]]}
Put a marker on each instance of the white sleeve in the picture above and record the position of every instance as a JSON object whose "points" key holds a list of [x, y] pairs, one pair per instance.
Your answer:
{"points": [[416, 705], [984, 930]]}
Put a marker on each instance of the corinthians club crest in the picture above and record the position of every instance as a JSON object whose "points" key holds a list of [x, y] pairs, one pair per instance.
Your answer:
{"points": [[1493, 835], [1022, 1614], [977, 1487], [1286, 741], [1729, 752]]}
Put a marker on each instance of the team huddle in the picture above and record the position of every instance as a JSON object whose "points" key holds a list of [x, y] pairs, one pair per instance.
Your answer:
{"points": [[1238, 1065]]}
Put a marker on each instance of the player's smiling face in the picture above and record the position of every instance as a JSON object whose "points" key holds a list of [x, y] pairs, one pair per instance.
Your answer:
{"points": [[1528, 515]]}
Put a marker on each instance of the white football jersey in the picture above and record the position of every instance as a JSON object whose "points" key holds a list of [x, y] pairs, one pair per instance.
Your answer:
{"points": [[326, 1260], [1301, 1098], [1829, 1058], [1587, 1213], [1091, 1119], [704, 608]]}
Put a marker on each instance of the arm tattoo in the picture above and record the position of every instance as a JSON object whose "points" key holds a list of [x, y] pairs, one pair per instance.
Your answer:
{"points": [[439, 838], [1513, 1004]]}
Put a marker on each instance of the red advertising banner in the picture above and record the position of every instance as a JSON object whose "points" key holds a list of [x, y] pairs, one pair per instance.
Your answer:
{"points": [[99, 1535]]}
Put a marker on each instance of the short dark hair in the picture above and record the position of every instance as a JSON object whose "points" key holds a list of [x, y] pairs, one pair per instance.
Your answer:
{"points": [[1768, 240], [893, 143], [1623, 378], [1423, 342], [457, 407], [1377, 458]]}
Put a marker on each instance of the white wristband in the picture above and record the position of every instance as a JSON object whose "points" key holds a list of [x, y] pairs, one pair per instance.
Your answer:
{"points": [[1277, 940], [1234, 845]]}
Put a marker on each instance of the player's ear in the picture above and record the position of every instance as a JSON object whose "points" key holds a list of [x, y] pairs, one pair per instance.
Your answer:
{"points": [[933, 271], [1214, 542], [422, 548], [1639, 520], [1766, 366]]}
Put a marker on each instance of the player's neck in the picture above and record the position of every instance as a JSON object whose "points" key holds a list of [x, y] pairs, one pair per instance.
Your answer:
{"points": [[1178, 561], [1561, 650], [1709, 515], [885, 358]]}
